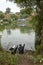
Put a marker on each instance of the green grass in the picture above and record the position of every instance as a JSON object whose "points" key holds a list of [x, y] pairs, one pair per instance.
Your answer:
{"points": [[7, 58]]}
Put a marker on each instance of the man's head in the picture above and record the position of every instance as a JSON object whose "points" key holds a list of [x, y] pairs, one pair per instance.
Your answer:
{"points": [[20, 45]]}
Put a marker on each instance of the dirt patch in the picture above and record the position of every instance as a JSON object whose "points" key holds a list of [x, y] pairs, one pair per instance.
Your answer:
{"points": [[26, 59]]}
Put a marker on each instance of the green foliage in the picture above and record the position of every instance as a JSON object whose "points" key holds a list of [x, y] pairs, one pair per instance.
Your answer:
{"points": [[38, 58], [16, 17], [34, 22], [25, 3], [8, 59], [1, 15], [13, 16], [0, 45], [26, 11], [22, 16]]}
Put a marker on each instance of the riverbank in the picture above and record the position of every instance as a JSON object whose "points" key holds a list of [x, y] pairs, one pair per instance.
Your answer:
{"points": [[29, 58]]}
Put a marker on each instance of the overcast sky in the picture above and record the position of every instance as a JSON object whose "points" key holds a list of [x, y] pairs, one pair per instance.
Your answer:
{"points": [[3, 5]]}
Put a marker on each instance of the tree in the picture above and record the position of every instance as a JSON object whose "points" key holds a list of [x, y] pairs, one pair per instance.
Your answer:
{"points": [[25, 12], [39, 10], [14, 17], [1, 15], [8, 10]]}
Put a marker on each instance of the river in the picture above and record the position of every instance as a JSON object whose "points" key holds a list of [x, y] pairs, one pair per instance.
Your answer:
{"points": [[9, 38]]}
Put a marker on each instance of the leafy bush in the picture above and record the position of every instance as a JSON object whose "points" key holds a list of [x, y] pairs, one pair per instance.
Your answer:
{"points": [[8, 59]]}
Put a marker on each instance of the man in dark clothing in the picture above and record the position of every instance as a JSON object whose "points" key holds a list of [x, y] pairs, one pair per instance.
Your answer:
{"points": [[13, 50], [21, 49]]}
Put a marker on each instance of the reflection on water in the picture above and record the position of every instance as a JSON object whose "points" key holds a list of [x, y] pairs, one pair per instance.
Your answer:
{"points": [[15, 37]]}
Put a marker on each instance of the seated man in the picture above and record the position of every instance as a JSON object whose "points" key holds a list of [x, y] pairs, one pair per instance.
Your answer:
{"points": [[21, 49], [13, 49]]}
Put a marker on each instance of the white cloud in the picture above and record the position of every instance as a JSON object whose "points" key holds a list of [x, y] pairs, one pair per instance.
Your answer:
{"points": [[4, 5]]}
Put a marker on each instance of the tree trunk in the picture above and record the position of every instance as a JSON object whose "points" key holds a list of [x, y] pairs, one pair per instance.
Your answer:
{"points": [[41, 47], [39, 30]]}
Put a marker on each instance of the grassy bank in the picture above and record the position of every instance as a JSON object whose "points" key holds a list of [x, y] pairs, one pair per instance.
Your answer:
{"points": [[7, 58], [28, 58]]}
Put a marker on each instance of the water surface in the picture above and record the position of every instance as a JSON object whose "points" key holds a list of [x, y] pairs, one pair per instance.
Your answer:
{"points": [[15, 37]]}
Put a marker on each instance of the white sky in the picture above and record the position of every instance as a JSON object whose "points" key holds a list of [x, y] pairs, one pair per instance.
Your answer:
{"points": [[3, 5]]}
